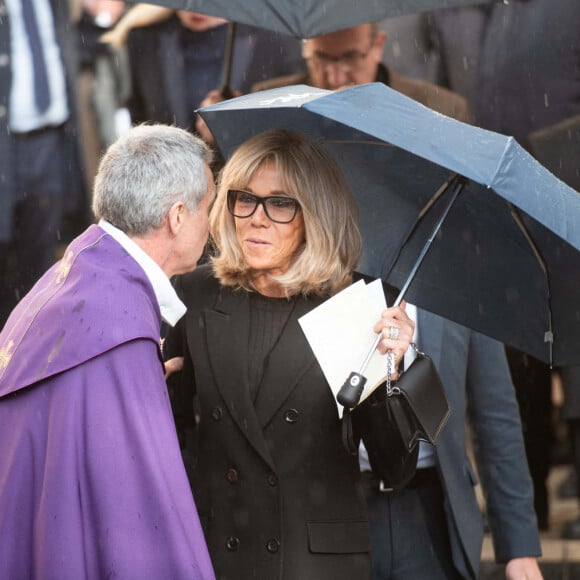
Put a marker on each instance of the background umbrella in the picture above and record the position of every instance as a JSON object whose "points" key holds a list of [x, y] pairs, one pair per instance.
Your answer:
{"points": [[307, 18], [506, 261]]}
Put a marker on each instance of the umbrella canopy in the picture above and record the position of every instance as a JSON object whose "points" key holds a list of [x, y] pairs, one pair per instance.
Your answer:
{"points": [[307, 18], [506, 261]]}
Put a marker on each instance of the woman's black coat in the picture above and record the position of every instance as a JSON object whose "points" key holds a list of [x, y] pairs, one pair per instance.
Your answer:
{"points": [[277, 494]]}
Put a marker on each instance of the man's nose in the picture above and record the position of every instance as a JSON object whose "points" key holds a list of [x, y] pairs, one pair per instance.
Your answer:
{"points": [[336, 75]]}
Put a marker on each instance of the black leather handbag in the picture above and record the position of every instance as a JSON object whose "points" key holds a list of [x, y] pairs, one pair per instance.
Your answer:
{"points": [[395, 417]]}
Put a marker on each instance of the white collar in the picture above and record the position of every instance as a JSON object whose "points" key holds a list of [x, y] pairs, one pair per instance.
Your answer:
{"points": [[172, 308]]}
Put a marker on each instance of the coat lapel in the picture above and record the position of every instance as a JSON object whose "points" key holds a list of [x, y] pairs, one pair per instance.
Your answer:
{"points": [[227, 327]]}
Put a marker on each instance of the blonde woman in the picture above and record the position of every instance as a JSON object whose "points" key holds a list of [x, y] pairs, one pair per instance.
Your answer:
{"points": [[278, 495]]}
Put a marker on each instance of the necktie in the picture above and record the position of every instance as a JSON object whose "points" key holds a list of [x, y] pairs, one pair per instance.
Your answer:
{"points": [[41, 90]]}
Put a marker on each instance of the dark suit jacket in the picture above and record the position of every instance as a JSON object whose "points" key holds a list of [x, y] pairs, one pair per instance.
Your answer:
{"points": [[474, 371], [529, 74], [278, 495]]}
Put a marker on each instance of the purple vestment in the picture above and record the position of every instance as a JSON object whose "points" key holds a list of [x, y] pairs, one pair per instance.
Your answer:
{"points": [[92, 483]]}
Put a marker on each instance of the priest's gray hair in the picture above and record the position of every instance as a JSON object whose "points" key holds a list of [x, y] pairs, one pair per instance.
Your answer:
{"points": [[146, 171]]}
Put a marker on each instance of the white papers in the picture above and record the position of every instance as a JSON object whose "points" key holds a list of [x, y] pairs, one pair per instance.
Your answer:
{"points": [[340, 333]]}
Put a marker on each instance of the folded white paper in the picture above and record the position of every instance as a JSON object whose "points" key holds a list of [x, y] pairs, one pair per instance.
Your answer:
{"points": [[340, 333]]}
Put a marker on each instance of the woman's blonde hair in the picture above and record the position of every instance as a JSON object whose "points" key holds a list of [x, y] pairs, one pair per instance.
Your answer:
{"points": [[332, 246]]}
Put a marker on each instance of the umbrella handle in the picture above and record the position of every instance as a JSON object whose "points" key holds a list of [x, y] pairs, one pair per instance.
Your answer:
{"points": [[351, 391], [226, 90]]}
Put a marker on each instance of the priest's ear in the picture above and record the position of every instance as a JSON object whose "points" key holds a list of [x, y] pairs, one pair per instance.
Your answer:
{"points": [[176, 217]]}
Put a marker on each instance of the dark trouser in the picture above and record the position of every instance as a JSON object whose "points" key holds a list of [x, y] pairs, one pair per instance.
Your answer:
{"points": [[39, 172], [533, 383], [409, 535]]}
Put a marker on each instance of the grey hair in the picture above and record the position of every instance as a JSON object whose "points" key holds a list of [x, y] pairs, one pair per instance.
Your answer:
{"points": [[147, 170]]}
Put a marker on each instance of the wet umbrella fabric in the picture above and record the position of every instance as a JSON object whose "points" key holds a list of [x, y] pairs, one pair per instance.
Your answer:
{"points": [[307, 18], [506, 261]]}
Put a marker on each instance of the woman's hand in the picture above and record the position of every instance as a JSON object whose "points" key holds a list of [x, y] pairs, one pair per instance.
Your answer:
{"points": [[396, 330], [173, 365]]}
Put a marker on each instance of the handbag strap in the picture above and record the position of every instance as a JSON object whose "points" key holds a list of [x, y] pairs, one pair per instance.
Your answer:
{"points": [[390, 368]]}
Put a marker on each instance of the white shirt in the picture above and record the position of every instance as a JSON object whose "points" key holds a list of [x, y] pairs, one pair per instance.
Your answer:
{"points": [[427, 456], [23, 114], [172, 308]]}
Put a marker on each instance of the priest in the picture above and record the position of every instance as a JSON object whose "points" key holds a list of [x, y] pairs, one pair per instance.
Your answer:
{"points": [[92, 483]]}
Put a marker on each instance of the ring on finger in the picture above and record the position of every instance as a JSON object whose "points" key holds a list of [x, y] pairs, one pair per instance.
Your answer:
{"points": [[393, 332]]}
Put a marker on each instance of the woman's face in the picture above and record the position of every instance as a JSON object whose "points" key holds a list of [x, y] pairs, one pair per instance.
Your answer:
{"points": [[267, 246]]}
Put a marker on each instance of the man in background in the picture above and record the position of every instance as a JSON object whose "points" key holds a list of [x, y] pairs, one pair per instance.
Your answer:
{"points": [[352, 57], [40, 173]]}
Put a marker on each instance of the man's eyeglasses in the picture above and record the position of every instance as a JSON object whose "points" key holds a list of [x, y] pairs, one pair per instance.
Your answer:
{"points": [[347, 61], [279, 209]]}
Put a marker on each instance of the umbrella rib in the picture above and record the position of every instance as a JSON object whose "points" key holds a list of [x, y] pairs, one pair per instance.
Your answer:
{"points": [[549, 335], [436, 196], [460, 182], [442, 189], [517, 218]]}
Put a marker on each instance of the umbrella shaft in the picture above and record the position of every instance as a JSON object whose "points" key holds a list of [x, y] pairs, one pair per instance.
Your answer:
{"points": [[460, 182]]}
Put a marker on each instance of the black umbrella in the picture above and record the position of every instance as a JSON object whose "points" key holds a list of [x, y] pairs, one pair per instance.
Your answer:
{"points": [[307, 18], [506, 259]]}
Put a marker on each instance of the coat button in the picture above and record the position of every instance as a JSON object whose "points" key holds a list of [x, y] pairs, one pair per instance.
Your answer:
{"points": [[217, 413], [233, 543], [272, 545], [3, 111], [4, 59], [291, 416], [273, 479], [232, 475]]}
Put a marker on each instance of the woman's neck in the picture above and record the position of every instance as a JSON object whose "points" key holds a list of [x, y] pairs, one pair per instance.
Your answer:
{"points": [[265, 286]]}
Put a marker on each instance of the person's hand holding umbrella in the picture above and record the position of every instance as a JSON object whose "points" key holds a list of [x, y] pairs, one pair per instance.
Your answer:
{"points": [[212, 98]]}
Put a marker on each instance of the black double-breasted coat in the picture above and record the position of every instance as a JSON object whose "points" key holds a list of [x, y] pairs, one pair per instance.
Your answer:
{"points": [[278, 495]]}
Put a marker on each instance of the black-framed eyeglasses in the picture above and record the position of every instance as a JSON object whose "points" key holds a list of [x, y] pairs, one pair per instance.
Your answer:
{"points": [[279, 209]]}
